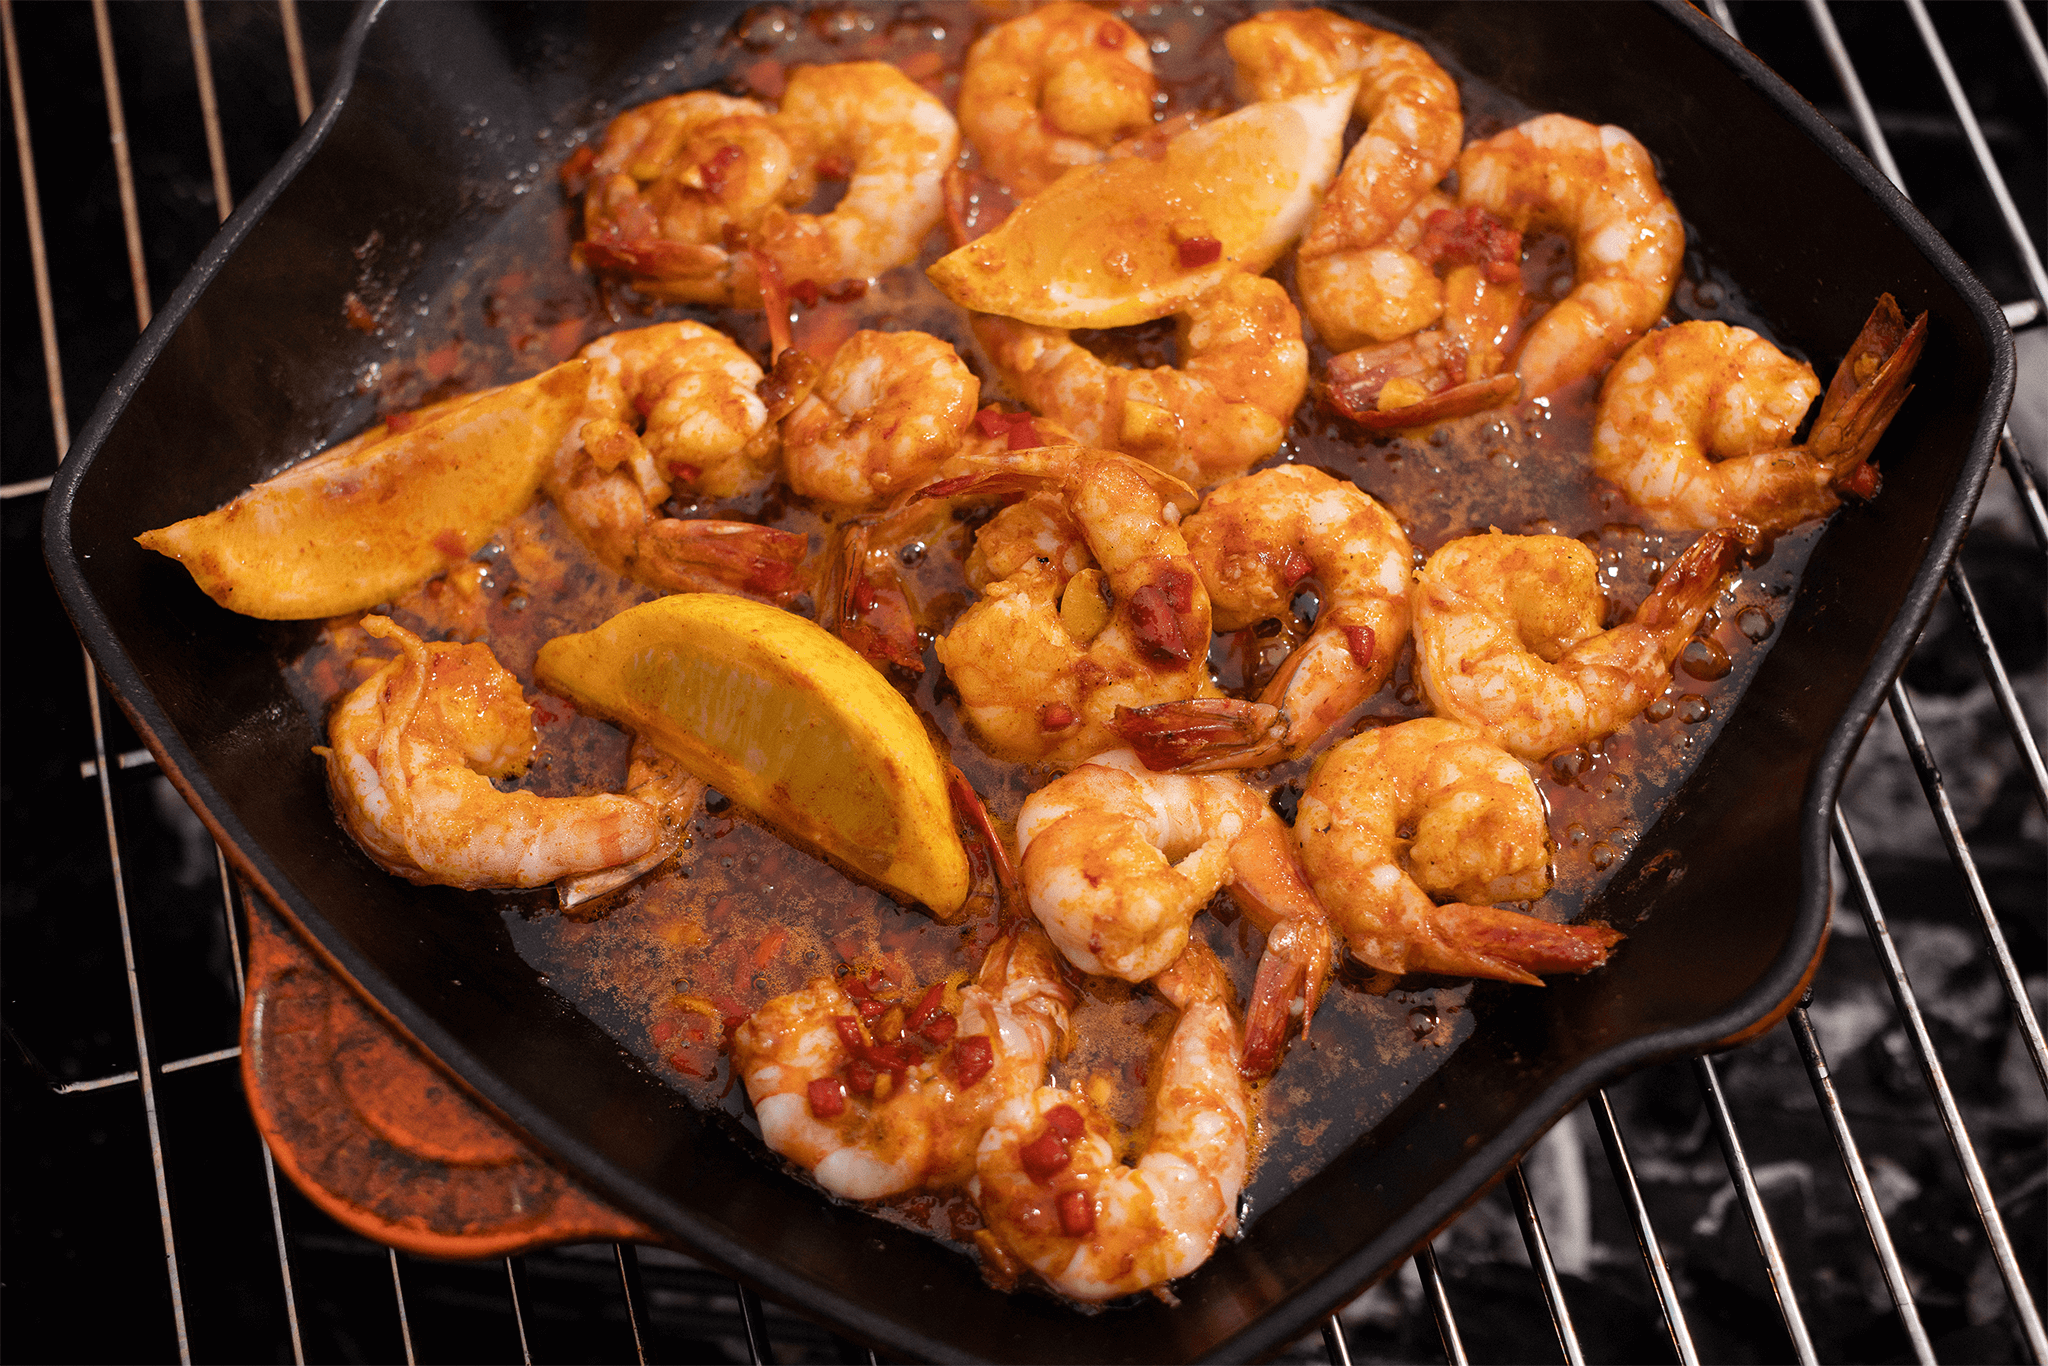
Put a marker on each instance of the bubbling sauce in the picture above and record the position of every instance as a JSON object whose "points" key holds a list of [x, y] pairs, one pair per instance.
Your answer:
{"points": [[673, 962]]}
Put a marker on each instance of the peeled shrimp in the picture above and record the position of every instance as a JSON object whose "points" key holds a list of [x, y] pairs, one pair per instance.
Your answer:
{"points": [[1051, 90], [1597, 184], [411, 754], [1243, 371], [1356, 284], [1696, 422], [705, 427], [896, 140], [878, 1101], [1117, 861], [673, 183], [1055, 1196], [1256, 540], [1508, 638], [1431, 347], [1042, 661], [687, 188], [888, 408], [1394, 817]]}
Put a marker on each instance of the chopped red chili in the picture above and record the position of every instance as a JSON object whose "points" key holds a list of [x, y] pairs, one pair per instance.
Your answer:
{"points": [[1297, 568], [940, 1028], [715, 169], [805, 292], [1200, 251], [973, 1056], [1179, 587], [861, 1077], [927, 1006], [828, 1097], [1077, 1213], [1155, 625], [1045, 1156], [870, 1010], [1066, 1119], [1364, 645], [1056, 716], [846, 291], [849, 1033], [686, 474]]}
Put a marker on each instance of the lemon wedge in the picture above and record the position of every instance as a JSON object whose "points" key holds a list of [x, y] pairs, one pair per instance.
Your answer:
{"points": [[361, 523], [1126, 241], [784, 718]]}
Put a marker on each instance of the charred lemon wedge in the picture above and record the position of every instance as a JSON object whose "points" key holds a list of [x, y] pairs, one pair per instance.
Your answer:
{"points": [[1137, 238], [785, 719], [361, 523]]}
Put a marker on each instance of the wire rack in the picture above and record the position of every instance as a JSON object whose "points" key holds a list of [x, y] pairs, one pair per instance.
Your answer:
{"points": [[1896, 1214]]}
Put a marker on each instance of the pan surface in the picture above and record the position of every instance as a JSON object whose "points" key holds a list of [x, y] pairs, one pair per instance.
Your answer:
{"points": [[446, 120]]}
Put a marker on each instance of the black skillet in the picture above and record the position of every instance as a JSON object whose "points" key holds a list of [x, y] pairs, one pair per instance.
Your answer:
{"points": [[434, 123]]}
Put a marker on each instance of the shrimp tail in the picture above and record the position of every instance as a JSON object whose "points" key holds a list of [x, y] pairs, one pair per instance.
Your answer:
{"points": [[1673, 610], [1488, 941], [1865, 394], [1269, 885], [701, 555], [1359, 401], [1204, 734], [988, 854], [869, 610]]}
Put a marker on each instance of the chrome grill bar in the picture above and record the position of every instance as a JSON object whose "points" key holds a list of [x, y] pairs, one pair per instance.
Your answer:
{"points": [[1546, 1269]]}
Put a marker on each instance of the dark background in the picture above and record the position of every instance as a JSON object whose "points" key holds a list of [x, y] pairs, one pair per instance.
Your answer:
{"points": [[82, 1263]]}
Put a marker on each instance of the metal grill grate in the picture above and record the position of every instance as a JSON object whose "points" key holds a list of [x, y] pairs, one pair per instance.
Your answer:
{"points": [[144, 1218]]}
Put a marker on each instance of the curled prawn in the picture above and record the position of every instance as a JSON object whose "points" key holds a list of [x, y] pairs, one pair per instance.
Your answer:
{"points": [[1257, 540], [1360, 282], [1117, 861], [411, 755], [874, 1097], [888, 408], [1042, 660], [1056, 1198], [1243, 371], [1597, 185], [1508, 638], [1696, 423], [1395, 817], [685, 189], [704, 426], [1051, 90]]}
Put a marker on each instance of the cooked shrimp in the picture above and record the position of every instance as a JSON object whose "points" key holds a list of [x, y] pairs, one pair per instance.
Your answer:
{"points": [[1696, 422], [685, 185], [1508, 638], [1596, 184], [876, 1098], [1395, 817], [889, 407], [896, 140], [1468, 321], [1356, 283], [704, 426], [1042, 661], [1051, 90], [1117, 861], [1243, 371], [1256, 540], [694, 398], [676, 180], [1055, 1196], [411, 754]]}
